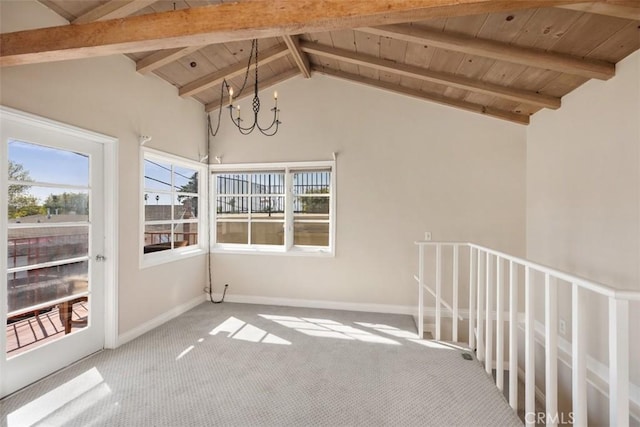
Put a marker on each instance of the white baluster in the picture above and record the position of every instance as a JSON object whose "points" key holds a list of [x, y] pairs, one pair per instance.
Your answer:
{"points": [[551, 349], [513, 335], [480, 312], [420, 291], [488, 349], [438, 292], [578, 356], [454, 323], [472, 297], [529, 348], [499, 324], [618, 362]]}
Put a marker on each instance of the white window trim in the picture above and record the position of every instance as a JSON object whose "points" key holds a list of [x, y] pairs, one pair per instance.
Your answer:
{"points": [[163, 257], [288, 249]]}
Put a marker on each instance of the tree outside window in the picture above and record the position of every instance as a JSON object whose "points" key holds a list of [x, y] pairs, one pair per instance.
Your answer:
{"points": [[21, 204]]}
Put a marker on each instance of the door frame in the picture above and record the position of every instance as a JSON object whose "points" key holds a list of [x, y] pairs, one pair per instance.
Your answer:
{"points": [[110, 181]]}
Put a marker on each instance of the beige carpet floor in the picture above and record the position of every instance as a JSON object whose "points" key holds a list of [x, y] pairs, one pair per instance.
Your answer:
{"points": [[252, 365]]}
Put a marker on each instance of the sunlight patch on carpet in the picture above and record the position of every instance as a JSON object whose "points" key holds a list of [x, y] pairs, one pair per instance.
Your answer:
{"points": [[240, 330], [326, 328], [88, 383]]}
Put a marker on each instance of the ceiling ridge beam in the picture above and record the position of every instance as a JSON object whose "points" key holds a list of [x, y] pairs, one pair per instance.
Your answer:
{"points": [[233, 21], [163, 57], [439, 99], [631, 12], [447, 79], [210, 80], [531, 57], [264, 84], [299, 57], [112, 10]]}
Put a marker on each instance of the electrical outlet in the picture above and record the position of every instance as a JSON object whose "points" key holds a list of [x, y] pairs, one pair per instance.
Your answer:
{"points": [[562, 327], [427, 235]]}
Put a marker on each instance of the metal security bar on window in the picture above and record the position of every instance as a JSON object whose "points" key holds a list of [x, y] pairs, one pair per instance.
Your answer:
{"points": [[282, 210], [232, 189], [311, 190], [250, 208], [311, 208]]}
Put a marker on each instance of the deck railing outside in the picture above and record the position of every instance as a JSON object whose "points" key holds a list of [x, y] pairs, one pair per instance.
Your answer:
{"points": [[490, 274]]}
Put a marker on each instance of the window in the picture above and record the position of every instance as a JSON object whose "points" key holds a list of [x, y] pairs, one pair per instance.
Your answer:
{"points": [[171, 207], [311, 208], [284, 208]]}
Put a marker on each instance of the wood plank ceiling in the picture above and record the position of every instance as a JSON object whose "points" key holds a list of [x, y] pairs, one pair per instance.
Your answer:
{"points": [[507, 64]]}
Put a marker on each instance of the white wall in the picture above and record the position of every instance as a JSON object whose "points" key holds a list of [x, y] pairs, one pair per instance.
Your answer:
{"points": [[106, 95], [583, 194], [404, 167]]}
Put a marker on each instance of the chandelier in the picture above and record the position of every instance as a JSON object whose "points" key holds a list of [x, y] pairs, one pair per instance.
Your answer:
{"points": [[234, 110]]}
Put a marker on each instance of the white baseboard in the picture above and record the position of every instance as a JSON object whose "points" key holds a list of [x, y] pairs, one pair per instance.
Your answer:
{"points": [[159, 320], [329, 305]]}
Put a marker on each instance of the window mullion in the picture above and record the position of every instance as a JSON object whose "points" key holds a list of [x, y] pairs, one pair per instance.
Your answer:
{"points": [[173, 189], [249, 210], [332, 208], [288, 209], [212, 207]]}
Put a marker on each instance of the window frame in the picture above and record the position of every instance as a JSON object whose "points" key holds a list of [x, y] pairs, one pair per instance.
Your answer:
{"points": [[175, 254], [288, 248]]}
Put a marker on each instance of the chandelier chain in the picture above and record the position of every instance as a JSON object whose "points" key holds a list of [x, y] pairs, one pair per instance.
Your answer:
{"points": [[246, 73], [237, 121]]}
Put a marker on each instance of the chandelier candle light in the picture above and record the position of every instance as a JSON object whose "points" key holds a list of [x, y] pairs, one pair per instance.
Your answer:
{"points": [[237, 120]]}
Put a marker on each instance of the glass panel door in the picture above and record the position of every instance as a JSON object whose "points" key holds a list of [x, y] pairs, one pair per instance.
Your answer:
{"points": [[52, 304], [47, 245]]}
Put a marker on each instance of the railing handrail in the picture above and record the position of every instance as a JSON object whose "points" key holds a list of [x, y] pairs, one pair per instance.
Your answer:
{"points": [[46, 304], [490, 273], [600, 288]]}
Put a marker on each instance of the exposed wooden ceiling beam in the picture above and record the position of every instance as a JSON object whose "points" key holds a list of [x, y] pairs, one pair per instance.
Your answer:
{"points": [[112, 10], [231, 21], [626, 10], [163, 57], [491, 49], [264, 84], [476, 108], [513, 94], [299, 56], [119, 9], [217, 77]]}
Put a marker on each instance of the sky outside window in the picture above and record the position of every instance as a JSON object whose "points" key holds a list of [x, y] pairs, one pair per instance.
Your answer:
{"points": [[49, 165]]}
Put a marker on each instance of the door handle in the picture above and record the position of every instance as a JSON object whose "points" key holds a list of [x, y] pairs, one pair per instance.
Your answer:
{"points": [[101, 258]]}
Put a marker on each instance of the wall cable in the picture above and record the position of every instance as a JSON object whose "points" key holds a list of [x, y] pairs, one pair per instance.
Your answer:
{"points": [[210, 276], [212, 133]]}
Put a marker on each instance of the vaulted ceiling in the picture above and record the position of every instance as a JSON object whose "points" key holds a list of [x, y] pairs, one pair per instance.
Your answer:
{"points": [[503, 59]]}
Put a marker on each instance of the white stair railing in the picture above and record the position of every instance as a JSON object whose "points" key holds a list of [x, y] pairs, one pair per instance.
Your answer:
{"points": [[424, 287], [488, 271]]}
